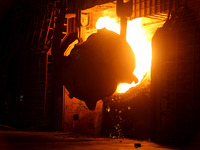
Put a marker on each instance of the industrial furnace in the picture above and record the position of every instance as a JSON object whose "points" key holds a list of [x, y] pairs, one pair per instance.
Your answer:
{"points": [[129, 97], [163, 106]]}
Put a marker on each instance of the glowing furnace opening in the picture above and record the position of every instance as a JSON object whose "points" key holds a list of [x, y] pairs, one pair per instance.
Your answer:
{"points": [[140, 42]]}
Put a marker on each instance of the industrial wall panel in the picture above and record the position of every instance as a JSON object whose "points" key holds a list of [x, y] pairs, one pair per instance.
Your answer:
{"points": [[175, 92], [141, 8]]}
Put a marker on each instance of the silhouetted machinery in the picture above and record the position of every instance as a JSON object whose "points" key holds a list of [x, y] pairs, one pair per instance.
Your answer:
{"points": [[95, 67]]}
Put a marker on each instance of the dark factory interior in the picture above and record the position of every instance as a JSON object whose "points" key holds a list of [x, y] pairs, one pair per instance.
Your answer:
{"points": [[100, 74]]}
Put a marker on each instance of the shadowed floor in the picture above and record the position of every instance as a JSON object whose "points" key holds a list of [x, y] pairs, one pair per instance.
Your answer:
{"points": [[20, 140]]}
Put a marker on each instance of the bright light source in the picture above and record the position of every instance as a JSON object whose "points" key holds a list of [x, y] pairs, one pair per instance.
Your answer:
{"points": [[137, 39]]}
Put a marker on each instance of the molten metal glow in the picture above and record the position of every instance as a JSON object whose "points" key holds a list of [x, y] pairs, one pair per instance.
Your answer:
{"points": [[137, 39]]}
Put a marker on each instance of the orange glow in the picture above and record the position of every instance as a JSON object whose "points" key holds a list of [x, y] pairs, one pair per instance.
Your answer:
{"points": [[137, 39]]}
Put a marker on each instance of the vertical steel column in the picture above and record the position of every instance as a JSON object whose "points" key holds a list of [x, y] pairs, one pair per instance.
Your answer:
{"points": [[124, 10], [57, 83], [123, 22]]}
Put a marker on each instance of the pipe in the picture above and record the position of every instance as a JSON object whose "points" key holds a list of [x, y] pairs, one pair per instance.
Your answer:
{"points": [[123, 22]]}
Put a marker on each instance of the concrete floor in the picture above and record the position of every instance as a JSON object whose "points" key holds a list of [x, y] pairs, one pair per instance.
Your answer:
{"points": [[20, 140]]}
